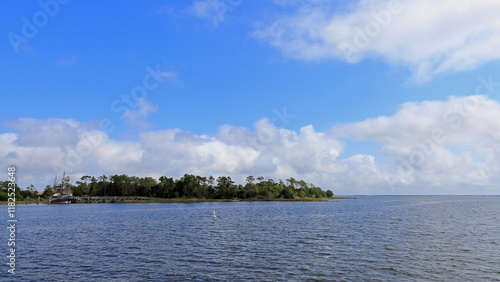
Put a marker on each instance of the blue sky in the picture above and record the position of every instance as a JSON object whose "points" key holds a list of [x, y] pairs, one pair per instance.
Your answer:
{"points": [[229, 72]]}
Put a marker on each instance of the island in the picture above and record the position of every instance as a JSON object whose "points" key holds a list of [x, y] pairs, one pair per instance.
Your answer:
{"points": [[188, 188]]}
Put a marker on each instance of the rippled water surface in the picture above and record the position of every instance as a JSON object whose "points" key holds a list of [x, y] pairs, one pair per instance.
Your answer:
{"points": [[380, 238]]}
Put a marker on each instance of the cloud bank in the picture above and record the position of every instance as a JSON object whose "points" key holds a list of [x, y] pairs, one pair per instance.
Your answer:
{"points": [[430, 147], [431, 37]]}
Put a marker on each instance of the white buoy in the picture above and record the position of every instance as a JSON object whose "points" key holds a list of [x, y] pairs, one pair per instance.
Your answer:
{"points": [[214, 214], [277, 204]]}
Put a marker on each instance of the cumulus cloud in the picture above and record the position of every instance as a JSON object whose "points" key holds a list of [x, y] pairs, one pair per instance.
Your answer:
{"points": [[430, 37], [438, 143], [430, 147], [44, 133], [239, 152]]}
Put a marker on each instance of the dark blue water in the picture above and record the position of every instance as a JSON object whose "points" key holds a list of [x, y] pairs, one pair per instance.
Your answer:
{"points": [[379, 238]]}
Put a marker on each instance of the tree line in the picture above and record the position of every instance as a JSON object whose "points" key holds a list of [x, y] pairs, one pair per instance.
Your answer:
{"points": [[194, 186], [21, 194]]}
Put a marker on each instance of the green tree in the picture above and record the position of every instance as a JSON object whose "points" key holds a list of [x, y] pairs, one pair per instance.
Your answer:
{"points": [[4, 191], [187, 186], [225, 187], [287, 193], [250, 179]]}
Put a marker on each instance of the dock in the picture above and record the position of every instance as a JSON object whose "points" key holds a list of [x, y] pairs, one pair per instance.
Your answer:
{"points": [[108, 199]]}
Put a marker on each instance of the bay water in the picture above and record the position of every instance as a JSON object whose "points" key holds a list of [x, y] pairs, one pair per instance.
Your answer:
{"points": [[404, 238]]}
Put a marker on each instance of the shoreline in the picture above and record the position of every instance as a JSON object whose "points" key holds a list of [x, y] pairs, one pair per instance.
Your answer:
{"points": [[197, 200]]}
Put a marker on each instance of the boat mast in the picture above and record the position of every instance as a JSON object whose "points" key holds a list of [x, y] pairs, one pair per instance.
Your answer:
{"points": [[55, 184]]}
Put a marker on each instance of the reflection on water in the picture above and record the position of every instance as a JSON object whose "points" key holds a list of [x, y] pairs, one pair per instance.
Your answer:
{"points": [[382, 237]]}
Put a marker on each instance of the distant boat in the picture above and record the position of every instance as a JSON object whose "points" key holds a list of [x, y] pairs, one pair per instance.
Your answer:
{"points": [[62, 193], [58, 198]]}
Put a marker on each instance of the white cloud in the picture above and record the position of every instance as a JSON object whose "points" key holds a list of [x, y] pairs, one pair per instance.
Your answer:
{"points": [[67, 61], [431, 147], [213, 11], [239, 152], [138, 117], [437, 143], [43, 133], [431, 37], [167, 76]]}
